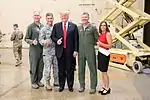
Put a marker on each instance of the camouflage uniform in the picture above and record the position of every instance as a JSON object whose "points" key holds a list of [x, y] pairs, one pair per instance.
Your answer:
{"points": [[17, 37], [1, 36], [0, 41], [49, 57]]}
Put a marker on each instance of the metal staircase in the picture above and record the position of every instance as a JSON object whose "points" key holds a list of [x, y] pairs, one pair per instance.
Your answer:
{"points": [[136, 19]]}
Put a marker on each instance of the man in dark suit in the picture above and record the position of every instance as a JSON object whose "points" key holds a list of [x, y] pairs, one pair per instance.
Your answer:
{"points": [[65, 35]]}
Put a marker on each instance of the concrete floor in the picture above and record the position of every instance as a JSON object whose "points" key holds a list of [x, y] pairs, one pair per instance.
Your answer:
{"points": [[15, 83]]}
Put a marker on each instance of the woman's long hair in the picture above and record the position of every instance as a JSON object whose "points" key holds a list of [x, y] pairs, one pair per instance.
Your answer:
{"points": [[107, 29]]}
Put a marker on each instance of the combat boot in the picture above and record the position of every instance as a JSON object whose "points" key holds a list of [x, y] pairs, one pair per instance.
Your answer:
{"points": [[18, 63], [48, 86], [35, 86]]}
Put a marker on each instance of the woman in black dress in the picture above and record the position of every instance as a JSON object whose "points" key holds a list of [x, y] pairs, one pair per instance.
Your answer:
{"points": [[104, 43]]}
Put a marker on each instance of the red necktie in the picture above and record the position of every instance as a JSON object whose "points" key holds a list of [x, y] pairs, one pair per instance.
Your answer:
{"points": [[65, 35]]}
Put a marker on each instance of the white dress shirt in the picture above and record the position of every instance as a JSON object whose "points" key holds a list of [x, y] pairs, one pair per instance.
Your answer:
{"points": [[66, 25]]}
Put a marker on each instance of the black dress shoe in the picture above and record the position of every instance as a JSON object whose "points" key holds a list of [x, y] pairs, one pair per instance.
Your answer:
{"points": [[71, 89], [61, 89], [105, 92], [100, 91]]}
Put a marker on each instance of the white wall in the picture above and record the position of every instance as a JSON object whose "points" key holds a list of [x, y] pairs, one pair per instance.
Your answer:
{"points": [[20, 11]]}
